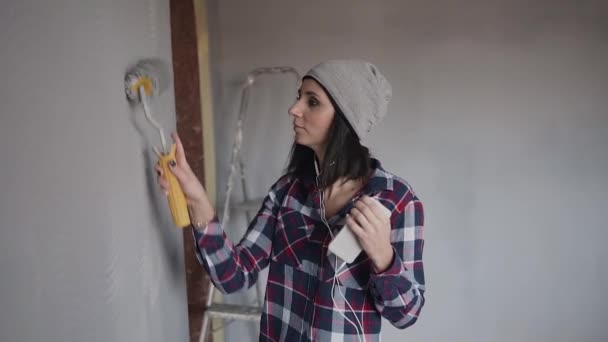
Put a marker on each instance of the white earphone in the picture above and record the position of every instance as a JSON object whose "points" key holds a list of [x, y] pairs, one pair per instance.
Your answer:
{"points": [[359, 325]]}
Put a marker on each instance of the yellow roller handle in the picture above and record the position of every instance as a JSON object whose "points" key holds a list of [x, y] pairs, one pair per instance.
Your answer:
{"points": [[177, 199]]}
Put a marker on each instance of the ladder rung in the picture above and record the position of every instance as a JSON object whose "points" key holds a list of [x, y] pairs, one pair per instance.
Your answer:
{"points": [[230, 311], [253, 204]]}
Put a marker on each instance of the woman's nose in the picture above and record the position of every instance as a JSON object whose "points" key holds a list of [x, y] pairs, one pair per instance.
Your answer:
{"points": [[295, 110]]}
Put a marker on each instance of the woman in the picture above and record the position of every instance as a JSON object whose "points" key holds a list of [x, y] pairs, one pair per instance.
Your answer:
{"points": [[331, 181]]}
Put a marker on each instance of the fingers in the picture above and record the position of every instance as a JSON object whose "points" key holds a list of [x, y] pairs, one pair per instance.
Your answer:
{"points": [[180, 155], [164, 185], [178, 171], [380, 212], [364, 211], [360, 218], [160, 179], [355, 227]]}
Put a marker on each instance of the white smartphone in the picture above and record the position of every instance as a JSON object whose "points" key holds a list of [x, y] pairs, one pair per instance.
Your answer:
{"points": [[346, 245]]}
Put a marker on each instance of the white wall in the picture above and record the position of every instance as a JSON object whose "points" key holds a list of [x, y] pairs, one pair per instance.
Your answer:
{"points": [[87, 248], [499, 121]]}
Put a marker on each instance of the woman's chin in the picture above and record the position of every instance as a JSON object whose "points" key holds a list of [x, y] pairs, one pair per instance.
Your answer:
{"points": [[298, 138], [300, 141]]}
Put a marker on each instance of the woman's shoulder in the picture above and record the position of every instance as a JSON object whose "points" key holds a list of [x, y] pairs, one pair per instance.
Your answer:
{"points": [[402, 186], [285, 180], [395, 188], [284, 183], [289, 185], [387, 179]]}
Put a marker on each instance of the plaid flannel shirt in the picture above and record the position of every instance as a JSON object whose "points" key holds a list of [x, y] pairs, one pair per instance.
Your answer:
{"points": [[288, 235]]}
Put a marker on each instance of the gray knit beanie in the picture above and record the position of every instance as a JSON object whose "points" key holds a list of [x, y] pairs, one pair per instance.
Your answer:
{"points": [[358, 88]]}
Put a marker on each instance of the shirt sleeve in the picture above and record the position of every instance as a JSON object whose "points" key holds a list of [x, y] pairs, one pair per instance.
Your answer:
{"points": [[231, 267], [398, 292]]}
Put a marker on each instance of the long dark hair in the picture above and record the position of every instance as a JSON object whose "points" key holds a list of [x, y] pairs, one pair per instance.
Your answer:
{"points": [[345, 157]]}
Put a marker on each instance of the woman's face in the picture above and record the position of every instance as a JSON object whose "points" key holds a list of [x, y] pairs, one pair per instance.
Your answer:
{"points": [[312, 115]]}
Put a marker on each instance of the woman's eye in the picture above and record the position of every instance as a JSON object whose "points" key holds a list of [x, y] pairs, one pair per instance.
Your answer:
{"points": [[312, 102]]}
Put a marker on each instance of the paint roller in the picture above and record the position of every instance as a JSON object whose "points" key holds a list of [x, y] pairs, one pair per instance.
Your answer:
{"points": [[148, 79]]}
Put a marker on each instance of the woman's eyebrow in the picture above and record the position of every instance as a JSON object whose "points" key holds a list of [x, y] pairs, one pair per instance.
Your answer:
{"points": [[311, 93]]}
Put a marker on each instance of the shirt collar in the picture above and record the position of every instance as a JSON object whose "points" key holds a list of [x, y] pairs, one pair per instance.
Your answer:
{"points": [[380, 179]]}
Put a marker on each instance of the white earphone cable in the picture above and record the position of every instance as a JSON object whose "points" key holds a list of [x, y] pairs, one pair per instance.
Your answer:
{"points": [[359, 327]]}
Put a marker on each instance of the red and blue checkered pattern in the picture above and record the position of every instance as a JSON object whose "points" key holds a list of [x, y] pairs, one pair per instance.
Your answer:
{"points": [[289, 236]]}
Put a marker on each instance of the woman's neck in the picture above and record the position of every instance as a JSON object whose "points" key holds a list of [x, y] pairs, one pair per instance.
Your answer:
{"points": [[343, 185]]}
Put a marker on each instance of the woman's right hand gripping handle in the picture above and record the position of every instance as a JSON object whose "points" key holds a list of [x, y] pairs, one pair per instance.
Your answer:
{"points": [[201, 210]]}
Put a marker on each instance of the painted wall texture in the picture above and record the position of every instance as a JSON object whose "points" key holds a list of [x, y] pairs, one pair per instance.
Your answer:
{"points": [[87, 248]]}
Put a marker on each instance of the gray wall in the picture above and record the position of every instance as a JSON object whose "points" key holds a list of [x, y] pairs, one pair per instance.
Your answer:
{"points": [[87, 248], [499, 121]]}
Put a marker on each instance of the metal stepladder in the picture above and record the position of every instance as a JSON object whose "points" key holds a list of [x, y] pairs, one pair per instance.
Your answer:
{"points": [[230, 312]]}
